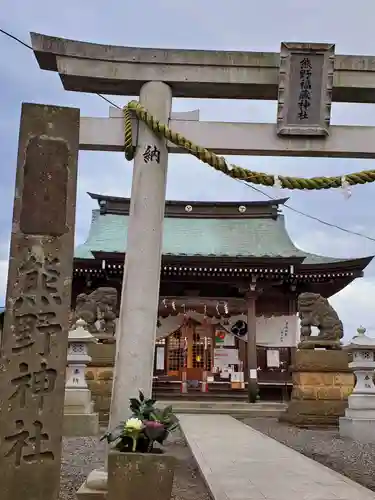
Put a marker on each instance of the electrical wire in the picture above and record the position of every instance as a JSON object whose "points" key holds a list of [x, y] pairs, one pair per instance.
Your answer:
{"points": [[312, 217], [109, 101], [13, 37], [260, 191]]}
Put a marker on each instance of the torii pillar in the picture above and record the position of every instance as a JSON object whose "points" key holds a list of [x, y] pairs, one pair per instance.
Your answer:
{"points": [[136, 329]]}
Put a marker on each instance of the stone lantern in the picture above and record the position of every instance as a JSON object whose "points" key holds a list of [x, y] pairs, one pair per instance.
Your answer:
{"points": [[359, 420], [79, 417]]}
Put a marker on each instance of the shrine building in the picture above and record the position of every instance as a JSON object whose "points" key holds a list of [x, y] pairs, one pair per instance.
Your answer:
{"points": [[213, 254]]}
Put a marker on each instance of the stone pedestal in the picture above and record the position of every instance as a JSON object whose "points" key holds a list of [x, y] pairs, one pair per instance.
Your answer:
{"points": [[321, 384], [131, 475], [99, 377], [95, 486], [79, 416], [359, 420]]}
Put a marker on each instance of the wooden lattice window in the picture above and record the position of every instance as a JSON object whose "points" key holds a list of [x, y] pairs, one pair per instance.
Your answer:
{"points": [[201, 352], [177, 352]]}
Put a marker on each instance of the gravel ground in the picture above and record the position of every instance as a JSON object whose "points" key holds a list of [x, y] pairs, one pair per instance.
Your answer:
{"points": [[352, 459], [82, 455]]}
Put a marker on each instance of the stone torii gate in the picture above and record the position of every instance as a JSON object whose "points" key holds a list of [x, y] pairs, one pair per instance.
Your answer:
{"points": [[303, 77]]}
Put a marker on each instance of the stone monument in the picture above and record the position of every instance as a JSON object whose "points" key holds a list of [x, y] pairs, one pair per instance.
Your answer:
{"points": [[35, 335], [79, 417], [359, 420], [321, 376]]}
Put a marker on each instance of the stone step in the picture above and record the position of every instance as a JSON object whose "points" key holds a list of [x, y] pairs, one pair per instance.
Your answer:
{"points": [[223, 404], [199, 396], [238, 409], [234, 412], [233, 408]]}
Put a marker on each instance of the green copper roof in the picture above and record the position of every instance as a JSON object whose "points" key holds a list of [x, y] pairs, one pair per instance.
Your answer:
{"points": [[201, 237]]}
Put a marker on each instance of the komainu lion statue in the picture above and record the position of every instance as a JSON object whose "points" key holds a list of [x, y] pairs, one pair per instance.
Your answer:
{"points": [[315, 310], [98, 309]]}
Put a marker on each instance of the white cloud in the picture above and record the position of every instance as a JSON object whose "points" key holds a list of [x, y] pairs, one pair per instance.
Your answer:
{"points": [[331, 242], [355, 306]]}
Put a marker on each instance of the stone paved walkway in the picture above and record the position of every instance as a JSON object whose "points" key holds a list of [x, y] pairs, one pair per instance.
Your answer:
{"points": [[240, 463]]}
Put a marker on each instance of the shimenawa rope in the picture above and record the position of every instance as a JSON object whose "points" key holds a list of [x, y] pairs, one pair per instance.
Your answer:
{"points": [[220, 163]]}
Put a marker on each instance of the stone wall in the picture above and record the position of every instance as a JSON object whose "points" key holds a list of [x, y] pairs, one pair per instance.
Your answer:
{"points": [[322, 382], [321, 386]]}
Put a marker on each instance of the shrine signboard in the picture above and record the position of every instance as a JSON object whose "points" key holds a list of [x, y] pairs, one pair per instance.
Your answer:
{"points": [[305, 89], [35, 334]]}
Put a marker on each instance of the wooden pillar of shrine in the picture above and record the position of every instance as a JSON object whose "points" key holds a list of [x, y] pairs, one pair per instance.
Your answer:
{"points": [[252, 362], [242, 355]]}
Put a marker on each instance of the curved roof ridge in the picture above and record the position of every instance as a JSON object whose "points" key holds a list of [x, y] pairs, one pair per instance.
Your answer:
{"points": [[83, 251], [281, 220], [199, 237], [277, 201]]}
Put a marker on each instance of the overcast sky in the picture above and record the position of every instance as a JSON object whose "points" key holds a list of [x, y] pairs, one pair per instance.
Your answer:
{"points": [[208, 24]]}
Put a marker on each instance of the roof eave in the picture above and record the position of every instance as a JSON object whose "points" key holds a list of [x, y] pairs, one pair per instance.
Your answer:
{"points": [[335, 286], [352, 264], [279, 201], [215, 259]]}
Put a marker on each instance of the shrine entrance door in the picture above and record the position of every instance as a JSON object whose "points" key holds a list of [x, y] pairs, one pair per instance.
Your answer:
{"points": [[190, 351]]}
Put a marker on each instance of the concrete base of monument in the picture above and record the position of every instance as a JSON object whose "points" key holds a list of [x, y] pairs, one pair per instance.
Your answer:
{"points": [[81, 424], [77, 399], [310, 414], [95, 486], [140, 476], [359, 420], [322, 382], [316, 343], [127, 475], [79, 417], [358, 429]]}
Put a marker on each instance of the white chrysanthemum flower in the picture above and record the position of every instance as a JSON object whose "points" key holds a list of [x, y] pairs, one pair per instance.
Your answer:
{"points": [[134, 423]]}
